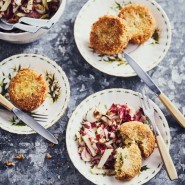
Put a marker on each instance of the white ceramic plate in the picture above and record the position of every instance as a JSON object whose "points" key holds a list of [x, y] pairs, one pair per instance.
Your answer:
{"points": [[147, 55], [107, 97], [55, 104]]}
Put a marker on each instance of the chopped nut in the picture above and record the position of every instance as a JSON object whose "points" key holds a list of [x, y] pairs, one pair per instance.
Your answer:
{"points": [[20, 156], [106, 120], [97, 114], [48, 156], [9, 163], [51, 144]]}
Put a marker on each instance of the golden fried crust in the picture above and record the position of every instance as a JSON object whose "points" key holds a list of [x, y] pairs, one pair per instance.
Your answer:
{"points": [[140, 21], [109, 35], [28, 89], [137, 132], [128, 162]]}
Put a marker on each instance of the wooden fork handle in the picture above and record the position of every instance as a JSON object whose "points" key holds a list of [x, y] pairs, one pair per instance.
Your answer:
{"points": [[6, 103], [167, 160], [172, 109]]}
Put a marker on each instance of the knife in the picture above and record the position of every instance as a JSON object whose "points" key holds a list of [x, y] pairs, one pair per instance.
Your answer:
{"points": [[149, 82], [28, 120]]}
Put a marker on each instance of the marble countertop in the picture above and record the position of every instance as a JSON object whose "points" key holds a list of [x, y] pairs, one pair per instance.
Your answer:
{"points": [[59, 45]]}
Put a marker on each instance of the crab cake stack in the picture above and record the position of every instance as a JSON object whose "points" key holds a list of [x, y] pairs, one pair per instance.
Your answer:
{"points": [[140, 21], [28, 89], [139, 133], [139, 141], [109, 35]]}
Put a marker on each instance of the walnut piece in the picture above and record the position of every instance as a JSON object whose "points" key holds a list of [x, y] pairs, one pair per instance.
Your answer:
{"points": [[51, 144], [9, 163], [48, 156], [20, 156]]}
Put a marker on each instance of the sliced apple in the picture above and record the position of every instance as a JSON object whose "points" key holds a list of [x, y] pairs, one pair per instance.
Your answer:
{"points": [[104, 157], [88, 143]]}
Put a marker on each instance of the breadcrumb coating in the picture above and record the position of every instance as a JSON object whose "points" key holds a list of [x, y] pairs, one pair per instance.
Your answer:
{"points": [[140, 21], [139, 133], [109, 35], [28, 89], [128, 162]]}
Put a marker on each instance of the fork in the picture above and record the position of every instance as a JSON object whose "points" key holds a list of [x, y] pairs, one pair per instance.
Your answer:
{"points": [[29, 24], [164, 152], [37, 116], [43, 23], [8, 27]]}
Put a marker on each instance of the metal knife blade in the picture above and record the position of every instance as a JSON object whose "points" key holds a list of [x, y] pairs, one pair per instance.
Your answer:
{"points": [[162, 97], [34, 125], [142, 74]]}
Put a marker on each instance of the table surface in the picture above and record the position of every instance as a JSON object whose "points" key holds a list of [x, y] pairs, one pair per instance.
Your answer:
{"points": [[59, 45]]}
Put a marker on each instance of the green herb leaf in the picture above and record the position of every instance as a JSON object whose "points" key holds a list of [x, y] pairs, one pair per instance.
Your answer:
{"points": [[54, 88], [156, 36], [118, 6], [144, 168], [16, 121]]}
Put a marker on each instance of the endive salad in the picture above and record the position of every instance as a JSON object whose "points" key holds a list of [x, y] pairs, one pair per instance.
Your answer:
{"points": [[12, 10], [98, 137]]}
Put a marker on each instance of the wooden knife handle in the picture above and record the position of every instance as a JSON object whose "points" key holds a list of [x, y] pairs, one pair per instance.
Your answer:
{"points": [[6, 103], [167, 160], [172, 109]]}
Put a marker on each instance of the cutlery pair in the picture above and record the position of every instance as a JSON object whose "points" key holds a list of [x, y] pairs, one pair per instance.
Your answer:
{"points": [[37, 116], [149, 82], [28, 120], [149, 112], [28, 24], [167, 160]]}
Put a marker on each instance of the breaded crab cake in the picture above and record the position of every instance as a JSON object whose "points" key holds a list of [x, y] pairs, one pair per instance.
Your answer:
{"points": [[140, 21], [128, 162], [139, 133], [28, 89], [109, 35]]}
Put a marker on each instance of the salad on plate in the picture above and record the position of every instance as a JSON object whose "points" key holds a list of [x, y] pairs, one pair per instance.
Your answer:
{"points": [[98, 137]]}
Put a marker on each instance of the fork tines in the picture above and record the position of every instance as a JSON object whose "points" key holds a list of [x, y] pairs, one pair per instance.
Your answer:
{"points": [[148, 110]]}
